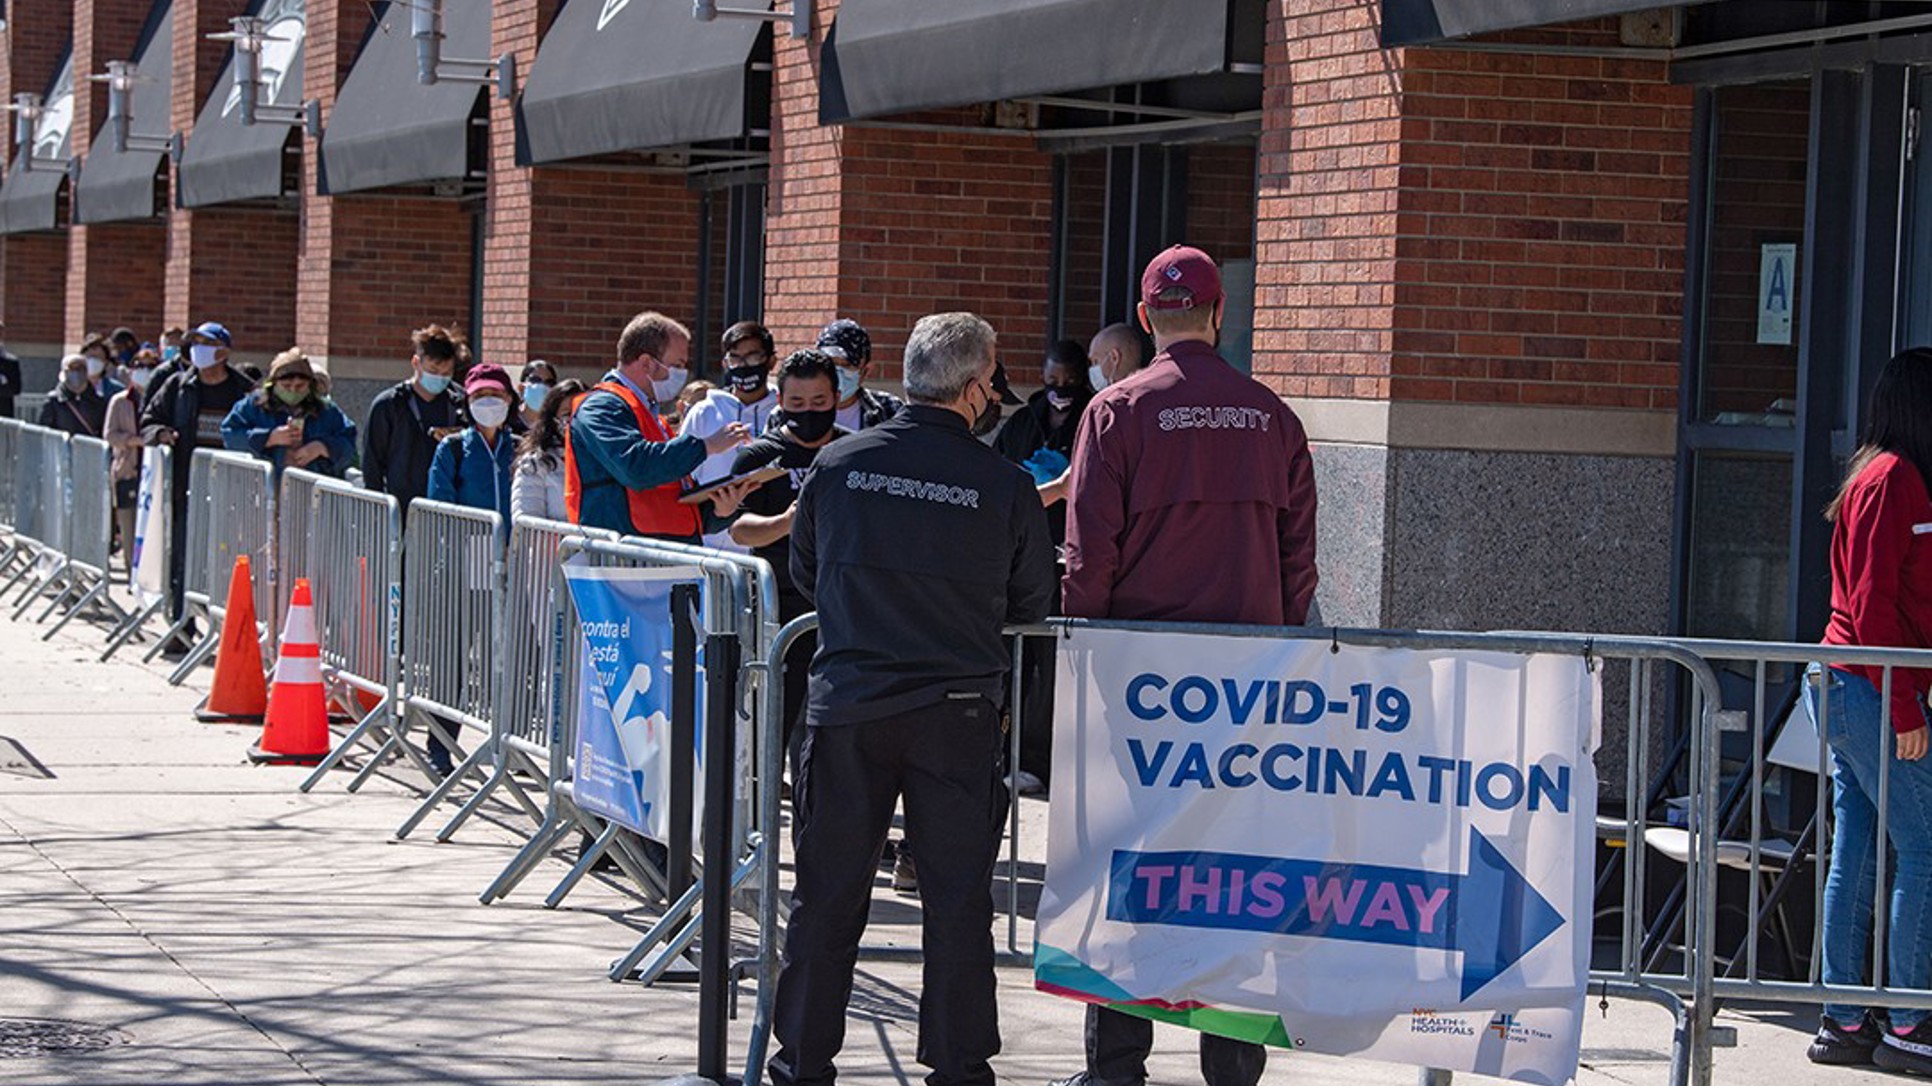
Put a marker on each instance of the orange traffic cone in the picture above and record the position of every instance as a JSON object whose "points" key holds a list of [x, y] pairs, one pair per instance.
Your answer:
{"points": [[239, 695], [297, 731]]}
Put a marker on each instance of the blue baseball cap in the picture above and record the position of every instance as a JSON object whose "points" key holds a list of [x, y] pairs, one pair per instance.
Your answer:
{"points": [[211, 330]]}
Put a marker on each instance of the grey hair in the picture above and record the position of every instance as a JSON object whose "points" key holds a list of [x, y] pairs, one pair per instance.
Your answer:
{"points": [[943, 355], [73, 360]]}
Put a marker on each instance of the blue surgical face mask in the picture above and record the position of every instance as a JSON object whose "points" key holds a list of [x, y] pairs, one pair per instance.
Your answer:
{"points": [[534, 394], [1096, 377], [433, 383], [169, 354], [849, 383]]}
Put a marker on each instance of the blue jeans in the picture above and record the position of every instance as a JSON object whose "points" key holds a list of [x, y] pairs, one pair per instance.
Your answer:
{"points": [[1852, 731]]}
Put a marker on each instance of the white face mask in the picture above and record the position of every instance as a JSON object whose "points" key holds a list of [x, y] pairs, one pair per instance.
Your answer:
{"points": [[95, 367], [490, 412], [1097, 377], [141, 375], [667, 388], [203, 355]]}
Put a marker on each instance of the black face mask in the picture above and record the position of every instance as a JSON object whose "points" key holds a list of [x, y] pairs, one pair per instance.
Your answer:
{"points": [[989, 416], [809, 426], [746, 378]]}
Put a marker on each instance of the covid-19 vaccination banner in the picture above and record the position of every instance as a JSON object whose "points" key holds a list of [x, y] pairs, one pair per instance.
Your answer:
{"points": [[623, 769], [150, 529], [1368, 852]]}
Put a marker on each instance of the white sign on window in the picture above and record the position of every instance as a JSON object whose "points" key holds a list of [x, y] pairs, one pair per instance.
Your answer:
{"points": [[1777, 293]]}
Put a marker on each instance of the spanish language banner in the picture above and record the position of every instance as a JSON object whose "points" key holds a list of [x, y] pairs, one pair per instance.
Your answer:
{"points": [[1371, 852], [623, 749]]}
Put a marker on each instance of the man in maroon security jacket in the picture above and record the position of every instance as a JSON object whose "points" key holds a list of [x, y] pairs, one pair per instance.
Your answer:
{"points": [[1192, 499]]}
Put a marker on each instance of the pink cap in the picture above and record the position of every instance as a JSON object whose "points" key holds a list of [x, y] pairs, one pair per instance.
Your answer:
{"points": [[1185, 267], [483, 374]]}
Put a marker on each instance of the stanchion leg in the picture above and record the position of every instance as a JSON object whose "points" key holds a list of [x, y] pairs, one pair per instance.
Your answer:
{"points": [[129, 630], [196, 656], [527, 858], [174, 630], [349, 742], [441, 792], [1433, 1076], [470, 806], [68, 583], [677, 946], [583, 865], [382, 754], [41, 584], [80, 605]]}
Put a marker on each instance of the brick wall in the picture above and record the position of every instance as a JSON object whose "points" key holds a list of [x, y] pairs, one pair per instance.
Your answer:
{"points": [[1541, 228], [884, 226], [1329, 168], [516, 27], [373, 266], [605, 245], [1474, 227], [1220, 199], [33, 268], [233, 264], [113, 270], [805, 196]]}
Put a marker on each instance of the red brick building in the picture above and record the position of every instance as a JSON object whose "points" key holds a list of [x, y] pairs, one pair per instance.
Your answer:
{"points": [[1508, 261]]}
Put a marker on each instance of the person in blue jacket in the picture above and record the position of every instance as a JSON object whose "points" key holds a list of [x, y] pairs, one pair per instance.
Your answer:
{"points": [[472, 466], [290, 422]]}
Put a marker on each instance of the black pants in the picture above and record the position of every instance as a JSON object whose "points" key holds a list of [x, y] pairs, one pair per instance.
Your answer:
{"points": [[944, 760], [1118, 1044]]}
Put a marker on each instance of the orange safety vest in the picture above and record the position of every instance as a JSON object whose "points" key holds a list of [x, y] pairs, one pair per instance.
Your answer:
{"points": [[656, 511]]}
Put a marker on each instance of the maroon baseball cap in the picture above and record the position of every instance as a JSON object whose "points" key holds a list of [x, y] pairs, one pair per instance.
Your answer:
{"points": [[1185, 267], [484, 374]]}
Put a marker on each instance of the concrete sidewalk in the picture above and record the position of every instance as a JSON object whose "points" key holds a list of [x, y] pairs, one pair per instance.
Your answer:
{"points": [[209, 924]]}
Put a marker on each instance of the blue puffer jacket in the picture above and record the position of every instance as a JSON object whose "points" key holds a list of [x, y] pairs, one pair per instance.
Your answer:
{"points": [[467, 471], [255, 416]]}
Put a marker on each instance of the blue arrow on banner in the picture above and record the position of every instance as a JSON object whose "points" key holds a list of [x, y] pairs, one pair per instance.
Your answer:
{"points": [[1492, 915]]}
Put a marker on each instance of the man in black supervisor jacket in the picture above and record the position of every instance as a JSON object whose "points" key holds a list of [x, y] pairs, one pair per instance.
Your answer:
{"points": [[917, 543]]}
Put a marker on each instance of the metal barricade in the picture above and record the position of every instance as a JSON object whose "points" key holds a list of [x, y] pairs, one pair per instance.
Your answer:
{"points": [[150, 599], [239, 521], [452, 618], [12, 548], [294, 529], [355, 571], [1767, 833], [1688, 989], [43, 469], [194, 534], [90, 534], [27, 405], [741, 598]]}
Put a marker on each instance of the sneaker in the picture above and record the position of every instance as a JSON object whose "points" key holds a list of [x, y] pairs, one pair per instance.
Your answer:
{"points": [[1910, 1052], [1837, 1045], [1022, 783], [1081, 1079], [905, 877], [439, 764]]}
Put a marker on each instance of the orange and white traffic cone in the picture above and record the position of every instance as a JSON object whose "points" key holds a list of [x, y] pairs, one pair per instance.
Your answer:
{"points": [[238, 695], [297, 730]]}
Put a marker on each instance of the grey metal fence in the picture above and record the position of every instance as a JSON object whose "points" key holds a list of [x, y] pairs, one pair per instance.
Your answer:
{"points": [[43, 470], [452, 618], [90, 533], [355, 568], [156, 535], [294, 530]]}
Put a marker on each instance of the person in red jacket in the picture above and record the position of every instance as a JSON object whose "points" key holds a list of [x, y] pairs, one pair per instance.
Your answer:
{"points": [[1191, 499], [1881, 595]]}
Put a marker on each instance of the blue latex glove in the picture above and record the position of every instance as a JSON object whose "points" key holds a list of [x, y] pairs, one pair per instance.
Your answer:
{"points": [[1047, 465]]}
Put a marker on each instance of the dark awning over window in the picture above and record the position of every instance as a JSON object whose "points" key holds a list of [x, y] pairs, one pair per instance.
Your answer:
{"points": [[632, 75], [389, 129], [30, 199], [115, 187], [891, 56], [226, 161], [1416, 22]]}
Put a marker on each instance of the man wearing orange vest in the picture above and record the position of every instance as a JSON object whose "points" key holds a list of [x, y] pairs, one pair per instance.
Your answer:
{"points": [[623, 469]]}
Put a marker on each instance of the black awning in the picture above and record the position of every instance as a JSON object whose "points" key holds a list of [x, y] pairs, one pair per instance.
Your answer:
{"points": [[389, 129], [892, 56], [633, 75], [117, 187], [30, 199], [226, 161], [1418, 22]]}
